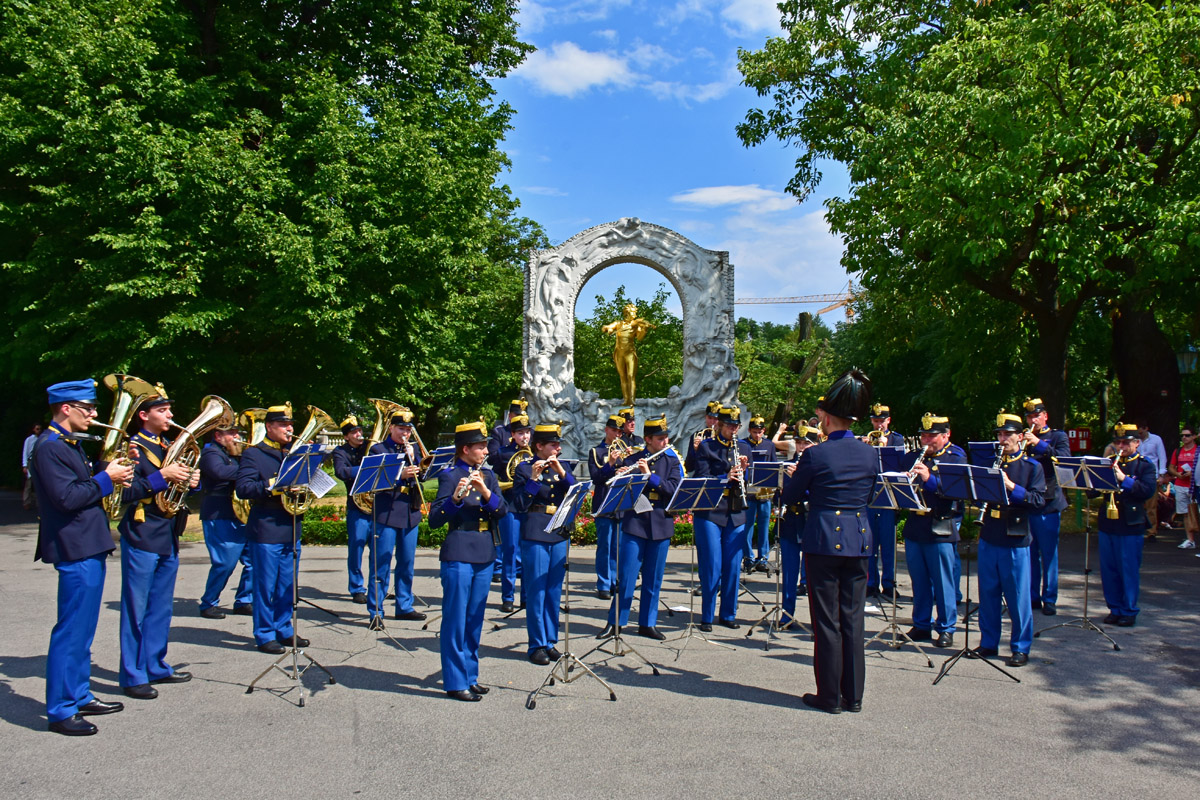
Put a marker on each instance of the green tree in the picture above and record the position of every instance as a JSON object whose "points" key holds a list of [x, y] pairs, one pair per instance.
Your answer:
{"points": [[1041, 153], [263, 200], [660, 354], [784, 368]]}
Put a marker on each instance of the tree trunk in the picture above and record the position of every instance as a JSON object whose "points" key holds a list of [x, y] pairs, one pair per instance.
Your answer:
{"points": [[1147, 372], [1053, 332]]}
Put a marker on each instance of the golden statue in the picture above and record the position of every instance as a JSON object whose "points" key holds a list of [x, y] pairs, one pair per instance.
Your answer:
{"points": [[629, 330]]}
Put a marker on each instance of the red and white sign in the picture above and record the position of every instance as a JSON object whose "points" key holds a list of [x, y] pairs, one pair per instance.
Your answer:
{"points": [[1080, 439]]}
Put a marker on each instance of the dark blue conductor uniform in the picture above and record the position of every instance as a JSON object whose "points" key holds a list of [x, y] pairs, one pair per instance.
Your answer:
{"points": [[224, 534]]}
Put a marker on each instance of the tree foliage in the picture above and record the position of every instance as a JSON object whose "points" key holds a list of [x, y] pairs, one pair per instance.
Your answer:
{"points": [[1043, 154], [263, 200], [784, 368], [660, 354]]}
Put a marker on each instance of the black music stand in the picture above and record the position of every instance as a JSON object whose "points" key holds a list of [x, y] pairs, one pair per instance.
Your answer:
{"points": [[378, 472], [1085, 473], [443, 457], [296, 473], [898, 492], [982, 485], [624, 494], [692, 495], [563, 524]]}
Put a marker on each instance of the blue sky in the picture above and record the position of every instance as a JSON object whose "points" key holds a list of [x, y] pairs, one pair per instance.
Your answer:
{"points": [[628, 109]]}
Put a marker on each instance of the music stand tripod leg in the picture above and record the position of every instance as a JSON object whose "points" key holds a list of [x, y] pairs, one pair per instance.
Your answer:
{"points": [[691, 630], [619, 646], [965, 650], [1084, 622]]}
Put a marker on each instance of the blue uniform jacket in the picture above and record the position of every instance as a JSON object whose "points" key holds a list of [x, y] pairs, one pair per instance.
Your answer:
{"points": [[218, 472], [472, 525], [1008, 526], [601, 473], [713, 461], [73, 523], [535, 499], [837, 475], [143, 526], [269, 522], [1139, 486], [1053, 443], [689, 459], [401, 507], [634, 441], [763, 451], [665, 474], [937, 524], [346, 461], [500, 438]]}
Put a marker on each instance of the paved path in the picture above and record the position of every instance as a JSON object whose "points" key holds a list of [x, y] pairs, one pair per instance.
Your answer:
{"points": [[1085, 721]]}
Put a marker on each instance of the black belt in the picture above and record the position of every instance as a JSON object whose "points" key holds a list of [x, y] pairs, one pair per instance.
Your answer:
{"points": [[543, 509], [483, 526]]}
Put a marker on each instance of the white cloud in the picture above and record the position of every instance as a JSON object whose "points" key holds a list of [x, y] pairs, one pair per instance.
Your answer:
{"points": [[646, 55], [751, 198], [752, 16], [566, 69], [531, 17], [608, 35], [774, 258], [544, 191]]}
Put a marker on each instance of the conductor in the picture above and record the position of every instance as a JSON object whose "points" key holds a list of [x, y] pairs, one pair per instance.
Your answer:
{"points": [[837, 476]]}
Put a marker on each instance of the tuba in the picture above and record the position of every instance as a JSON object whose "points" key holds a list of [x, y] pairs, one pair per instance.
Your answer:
{"points": [[384, 411], [128, 394], [253, 421], [215, 413], [318, 421]]}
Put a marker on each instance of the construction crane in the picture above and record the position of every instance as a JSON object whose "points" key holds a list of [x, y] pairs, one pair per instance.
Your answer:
{"points": [[836, 300]]}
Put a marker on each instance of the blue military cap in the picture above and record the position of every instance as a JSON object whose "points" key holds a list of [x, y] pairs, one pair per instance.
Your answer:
{"points": [[656, 426], [83, 391], [519, 422]]}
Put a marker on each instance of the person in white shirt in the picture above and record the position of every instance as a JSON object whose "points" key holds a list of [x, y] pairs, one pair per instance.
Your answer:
{"points": [[28, 496], [1153, 450]]}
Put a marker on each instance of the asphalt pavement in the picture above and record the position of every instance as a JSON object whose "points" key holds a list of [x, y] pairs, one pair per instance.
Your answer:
{"points": [[717, 721]]}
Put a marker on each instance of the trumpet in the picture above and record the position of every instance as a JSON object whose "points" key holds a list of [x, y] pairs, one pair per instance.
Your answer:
{"points": [[468, 487], [876, 438]]}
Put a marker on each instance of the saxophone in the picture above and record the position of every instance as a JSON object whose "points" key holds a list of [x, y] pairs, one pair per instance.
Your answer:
{"points": [[128, 394], [216, 413], [318, 421]]}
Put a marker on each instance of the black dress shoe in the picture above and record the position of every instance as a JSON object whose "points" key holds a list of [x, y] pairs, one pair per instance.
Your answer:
{"points": [[944, 640], [1035, 605], [359, 597], [178, 676], [606, 633], [96, 708], [1126, 622], [507, 607], [731, 624], [812, 701], [553, 653], [376, 624], [540, 657], [603, 594], [1049, 609], [496, 577], [292, 641], [244, 610], [271, 648], [919, 634], [1018, 660], [697, 593], [479, 689], [466, 695], [650, 632], [212, 612], [761, 566], [985, 652], [73, 726], [1111, 619], [411, 614], [142, 691], [803, 590], [705, 627], [853, 708]]}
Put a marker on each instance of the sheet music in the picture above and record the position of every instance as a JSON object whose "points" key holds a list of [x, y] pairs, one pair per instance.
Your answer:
{"points": [[320, 483]]}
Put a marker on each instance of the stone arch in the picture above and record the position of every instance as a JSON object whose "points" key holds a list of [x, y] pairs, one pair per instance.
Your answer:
{"points": [[703, 280]]}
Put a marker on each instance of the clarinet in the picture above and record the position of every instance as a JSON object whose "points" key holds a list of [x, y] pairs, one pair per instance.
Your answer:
{"points": [[734, 463]]}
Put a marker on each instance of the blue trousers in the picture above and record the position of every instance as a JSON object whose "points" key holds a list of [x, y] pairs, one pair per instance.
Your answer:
{"points": [[1043, 557], [380, 544], [464, 598], [650, 559], [510, 557], [931, 568], [719, 557], [406, 562], [69, 660], [883, 525], [358, 531], [790, 567], [1120, 565], [958, 597], [607, 531], [147, 594], [227, 546], [274, 583], [1004, 570], [758, 528], [543, 570]]}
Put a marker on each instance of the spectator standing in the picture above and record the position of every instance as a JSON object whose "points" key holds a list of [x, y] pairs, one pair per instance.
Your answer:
{"points": [[1182, 468], [1153, 450], [28, 495]]}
